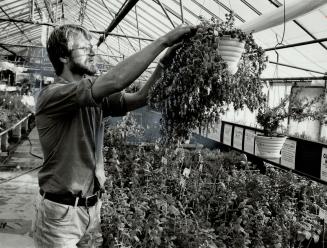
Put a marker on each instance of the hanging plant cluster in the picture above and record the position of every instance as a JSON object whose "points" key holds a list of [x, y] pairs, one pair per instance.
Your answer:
{"points": [[199, 84]]}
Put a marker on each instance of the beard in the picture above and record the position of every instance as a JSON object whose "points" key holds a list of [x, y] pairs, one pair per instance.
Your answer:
{"points": [[82, 69]]}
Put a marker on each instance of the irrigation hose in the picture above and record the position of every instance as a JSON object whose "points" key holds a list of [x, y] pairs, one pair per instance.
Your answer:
{"points": [[26, 172]]}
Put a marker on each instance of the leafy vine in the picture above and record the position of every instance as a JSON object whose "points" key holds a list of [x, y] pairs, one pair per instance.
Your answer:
{"points": [[197, 87]]}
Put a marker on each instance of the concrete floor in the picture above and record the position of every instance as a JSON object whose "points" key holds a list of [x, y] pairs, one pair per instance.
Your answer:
{"points": [[17, 197]]}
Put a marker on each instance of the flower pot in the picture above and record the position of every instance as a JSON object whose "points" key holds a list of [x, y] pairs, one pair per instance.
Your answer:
{"points": [[230, 50], [269, 147]]}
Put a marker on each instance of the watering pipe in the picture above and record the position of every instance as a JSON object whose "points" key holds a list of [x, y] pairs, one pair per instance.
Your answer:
{"points": [[276, 17]]}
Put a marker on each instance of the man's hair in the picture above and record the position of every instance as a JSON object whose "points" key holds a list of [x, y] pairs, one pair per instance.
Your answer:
{"points": [[59, 46]]}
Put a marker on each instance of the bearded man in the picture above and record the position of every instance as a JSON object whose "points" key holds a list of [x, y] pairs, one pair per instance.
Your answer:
{"points": [[69, 119]]}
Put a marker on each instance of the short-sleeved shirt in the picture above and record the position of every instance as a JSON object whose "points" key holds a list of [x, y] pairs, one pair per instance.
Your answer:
{"points": [[70, 126]]}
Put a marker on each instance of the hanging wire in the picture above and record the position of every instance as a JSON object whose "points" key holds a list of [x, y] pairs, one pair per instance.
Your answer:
{"points": [[280, 42], [203, 2]]}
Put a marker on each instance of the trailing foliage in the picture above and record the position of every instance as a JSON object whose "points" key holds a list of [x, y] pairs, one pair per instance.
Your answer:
{"points": [[197, 86]]}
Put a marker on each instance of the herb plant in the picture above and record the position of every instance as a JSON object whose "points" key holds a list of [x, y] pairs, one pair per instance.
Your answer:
{"points": [[294, 107], [206, 199], [197, 87]]}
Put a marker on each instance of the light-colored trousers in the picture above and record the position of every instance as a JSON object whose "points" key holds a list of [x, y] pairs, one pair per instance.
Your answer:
{"points": [[62, 226]]}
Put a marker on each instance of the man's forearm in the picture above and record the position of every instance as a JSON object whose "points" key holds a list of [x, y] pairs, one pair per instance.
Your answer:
{"points": [[139, 99], [125, 72]]}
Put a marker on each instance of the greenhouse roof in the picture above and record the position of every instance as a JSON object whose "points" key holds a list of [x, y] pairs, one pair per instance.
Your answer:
{"points": [[25, 25]]}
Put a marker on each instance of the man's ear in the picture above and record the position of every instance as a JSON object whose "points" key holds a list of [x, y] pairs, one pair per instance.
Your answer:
{"points": [[64, 60]]}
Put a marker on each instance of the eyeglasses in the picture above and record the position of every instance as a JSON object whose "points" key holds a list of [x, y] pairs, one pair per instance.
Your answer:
{"points": [[87, 50]]}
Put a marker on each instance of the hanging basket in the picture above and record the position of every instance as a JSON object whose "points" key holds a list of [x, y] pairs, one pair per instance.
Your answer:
{"points": [[270, 147], [231, 51]]}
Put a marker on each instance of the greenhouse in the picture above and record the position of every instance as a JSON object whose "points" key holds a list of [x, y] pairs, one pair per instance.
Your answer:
{"points": [[163, 123]]}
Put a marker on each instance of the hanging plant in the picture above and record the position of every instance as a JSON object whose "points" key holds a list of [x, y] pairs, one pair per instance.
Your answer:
{"points": [[199, 86], [295, 107]]}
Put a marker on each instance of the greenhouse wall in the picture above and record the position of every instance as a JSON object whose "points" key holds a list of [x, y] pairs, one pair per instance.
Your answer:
{"points": [[307, 129]]}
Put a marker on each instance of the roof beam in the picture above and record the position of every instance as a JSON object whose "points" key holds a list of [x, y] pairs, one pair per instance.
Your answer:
{"points": [[48, 6], [143, 23], [296, 44], [20, 45], [205, 9], [153, 8], [120, 15], [278, 4], [22, 31], [154, 17], [8, 50], [129, 23], [296, 67], [4, 36], [138, 33], [171, 11], [251, 7], [294, 78], [38, 9], [12, 52], [165, 11], [32, 9], [305, 30], [14, 7], [182, 11], [54, 25]]}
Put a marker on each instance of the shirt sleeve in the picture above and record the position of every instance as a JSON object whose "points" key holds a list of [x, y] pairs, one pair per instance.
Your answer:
{"points": [[114, 105], [62, 99]]}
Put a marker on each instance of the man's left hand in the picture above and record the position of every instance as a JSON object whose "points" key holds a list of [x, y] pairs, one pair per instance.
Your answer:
{"points": [[169, 55]]}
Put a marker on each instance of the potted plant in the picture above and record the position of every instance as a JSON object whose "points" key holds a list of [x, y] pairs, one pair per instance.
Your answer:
{"points": [[297, 108], [200, 84]]}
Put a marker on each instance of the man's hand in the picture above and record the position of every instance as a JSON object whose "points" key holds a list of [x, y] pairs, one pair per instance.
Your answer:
{"points": [[178, 34], [169, 55]]}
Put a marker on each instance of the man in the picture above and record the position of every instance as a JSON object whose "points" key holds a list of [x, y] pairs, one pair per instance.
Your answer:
{"points": [[69, 116]]}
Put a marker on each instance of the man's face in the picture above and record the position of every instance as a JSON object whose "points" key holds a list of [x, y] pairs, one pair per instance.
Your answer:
{"points": [[82, 56]]}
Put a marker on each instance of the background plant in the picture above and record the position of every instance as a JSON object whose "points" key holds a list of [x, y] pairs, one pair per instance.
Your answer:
{"points": [[197, 87], [11, 110], [116, 134], [164, 197], [294, 107]]}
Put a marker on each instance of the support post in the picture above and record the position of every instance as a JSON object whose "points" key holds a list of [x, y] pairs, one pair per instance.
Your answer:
{"points": [[4, 142], [17, 132], [32, 10], [164, 10], [182, 14]]}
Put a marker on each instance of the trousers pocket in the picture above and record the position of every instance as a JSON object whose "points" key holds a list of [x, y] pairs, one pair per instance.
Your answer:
{"points": [[57, 211]]}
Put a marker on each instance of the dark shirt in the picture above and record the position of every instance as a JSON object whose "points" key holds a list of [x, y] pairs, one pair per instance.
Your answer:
{"points": [[70, 126]]}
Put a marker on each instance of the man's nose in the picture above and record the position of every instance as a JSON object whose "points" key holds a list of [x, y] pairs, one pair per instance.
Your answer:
{"points": [[93, 50]]}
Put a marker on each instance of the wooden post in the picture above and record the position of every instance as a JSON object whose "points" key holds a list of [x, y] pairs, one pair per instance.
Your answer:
{"points": [[25, 126], [17, 132], [4, 142]]}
